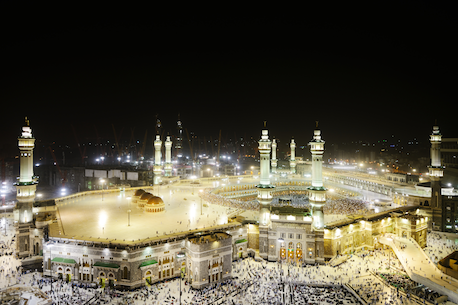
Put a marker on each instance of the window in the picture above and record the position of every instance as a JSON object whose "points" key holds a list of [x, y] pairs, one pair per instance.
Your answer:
{"points": [[124, 274], [282, 235], [298, 236], [291, 235]]}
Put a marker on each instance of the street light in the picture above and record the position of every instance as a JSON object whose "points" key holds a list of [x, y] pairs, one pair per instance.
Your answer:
{"points": [[282, 240], [49, 245], [128, 211], [200, 191], [181, 255], [101, 182]]}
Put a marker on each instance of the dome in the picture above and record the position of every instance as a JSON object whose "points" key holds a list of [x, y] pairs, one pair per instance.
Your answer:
{"points": [[146, 196], [155, 200], [139, 192]]}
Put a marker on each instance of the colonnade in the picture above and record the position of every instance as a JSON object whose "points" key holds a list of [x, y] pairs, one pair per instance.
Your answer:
{"points": [[361, 184]]}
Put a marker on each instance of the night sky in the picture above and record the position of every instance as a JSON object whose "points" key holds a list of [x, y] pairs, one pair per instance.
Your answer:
{"points": [[364, 75]]}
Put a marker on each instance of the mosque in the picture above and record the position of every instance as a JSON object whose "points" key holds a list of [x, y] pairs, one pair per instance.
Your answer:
{"points": [[165, 237]]}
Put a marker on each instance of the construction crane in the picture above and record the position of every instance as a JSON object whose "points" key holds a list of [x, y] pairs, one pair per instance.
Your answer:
{"points": [[116, 140], [142, 151], [63, 175], [82, 152], [190, 145], [219, 146]]}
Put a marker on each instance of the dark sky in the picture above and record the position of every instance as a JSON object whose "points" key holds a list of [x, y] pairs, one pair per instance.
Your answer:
{"points": [[364, 74]]}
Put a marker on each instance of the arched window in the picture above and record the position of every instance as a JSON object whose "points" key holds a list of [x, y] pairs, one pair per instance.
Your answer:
{"points": [[124, 274], [298, 246], [290, 245]]}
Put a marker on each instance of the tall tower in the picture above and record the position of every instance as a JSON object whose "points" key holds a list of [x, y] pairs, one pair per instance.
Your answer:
{"points": [[264, 193], [292, 162], [26, 187], [157, 170], [27, 183], [168, 157], [317, 195], [436, 170], [179, 137], [274, 156]]}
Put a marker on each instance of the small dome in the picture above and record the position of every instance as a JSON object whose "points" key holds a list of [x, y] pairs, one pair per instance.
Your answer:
{"points": [[155, 200], [146, 196], [139, 192]]}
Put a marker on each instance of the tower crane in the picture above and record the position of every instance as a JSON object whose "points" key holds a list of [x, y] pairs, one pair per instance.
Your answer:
{"points": [[63, 175]]}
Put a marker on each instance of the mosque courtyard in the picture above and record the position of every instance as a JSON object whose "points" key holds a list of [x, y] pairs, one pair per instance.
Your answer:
{"points": [[253, 282], [105, 216]]}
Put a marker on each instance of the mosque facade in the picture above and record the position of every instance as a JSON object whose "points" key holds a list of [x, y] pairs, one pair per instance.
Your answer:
{"points": [[282, 233]]}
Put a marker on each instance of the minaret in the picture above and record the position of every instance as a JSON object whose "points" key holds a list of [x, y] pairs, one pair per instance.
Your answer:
{"points": [[27, 183], [157, 159], [168, 157], [179, 137], [264, 192], [436, 170], [317, 195], [274, 156], [292, 162]]}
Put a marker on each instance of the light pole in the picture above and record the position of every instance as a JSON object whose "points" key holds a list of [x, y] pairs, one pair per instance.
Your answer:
{"points": [[128, 211], [101, 182], [50, 259], [181, 255], [201, 204], [282, 240]]}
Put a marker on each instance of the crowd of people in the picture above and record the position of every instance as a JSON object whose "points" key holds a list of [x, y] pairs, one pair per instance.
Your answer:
{"points": [[346, 206], [306, 294], [10, 267], [212, 198], [439, 247], [404, 283], [336, 206]]}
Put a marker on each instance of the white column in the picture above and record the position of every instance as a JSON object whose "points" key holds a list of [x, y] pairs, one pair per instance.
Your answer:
{"points": [[264, 150], [264, 187], [157, 159], [27, 184], [317, 196], [26, 145], [436, 166], [168, 157], [274, 156], [292, 162]]}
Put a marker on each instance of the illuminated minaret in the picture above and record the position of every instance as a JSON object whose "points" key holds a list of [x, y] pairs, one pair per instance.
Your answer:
{"points": [[317, 196], [168, 157], [436, 170], [264, 187], [157, 170], [179, 137], [27, 184], [274, 156], [292, 162], [265, 190]]}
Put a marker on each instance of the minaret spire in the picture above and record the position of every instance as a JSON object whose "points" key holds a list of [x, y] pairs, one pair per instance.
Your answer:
{"points": [[157, 169], [26, 185], [436, 170], [264, 192], [274, 156], [168, 157], [292, 162], [317, 195]]}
